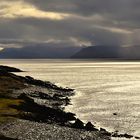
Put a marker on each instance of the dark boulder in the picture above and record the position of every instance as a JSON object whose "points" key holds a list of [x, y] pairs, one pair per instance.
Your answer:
{"points": [[78, 124], [105, 132], [115, 134], [137, 137], [115, 114], [126, 136], [90, 127]]}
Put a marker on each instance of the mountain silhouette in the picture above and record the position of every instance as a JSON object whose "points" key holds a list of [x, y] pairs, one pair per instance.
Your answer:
{"points": [[132, 52], [98, 52], [39, 51]]}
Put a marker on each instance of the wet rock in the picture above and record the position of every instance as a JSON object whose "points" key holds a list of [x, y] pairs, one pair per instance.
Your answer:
{"points": [[115, 114], [78, 124], [126, 136], [54, 100], [41, 95], [137, 137], [56, 96], [105, 132], [67, 101], [102, 130], [90, 127], [41, 113], [115, 134]]}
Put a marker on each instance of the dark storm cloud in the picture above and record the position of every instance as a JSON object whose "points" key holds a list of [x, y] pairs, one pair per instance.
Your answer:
{"points": [[90, 22], [122, 13], [69, 29], [119, 9]]}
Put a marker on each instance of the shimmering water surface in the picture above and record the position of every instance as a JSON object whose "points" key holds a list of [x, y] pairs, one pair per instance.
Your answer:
{"points": [[102, 88]]}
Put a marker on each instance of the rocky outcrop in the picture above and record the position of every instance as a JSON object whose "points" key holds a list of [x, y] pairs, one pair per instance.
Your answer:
{"points": [[78, 124], [42, 113], [51, 110], [90, 127], [9, 69], [47, 84], [116, 134]]}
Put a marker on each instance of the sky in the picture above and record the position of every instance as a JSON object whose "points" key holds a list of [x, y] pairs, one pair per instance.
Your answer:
{"points": [[69, 22]]}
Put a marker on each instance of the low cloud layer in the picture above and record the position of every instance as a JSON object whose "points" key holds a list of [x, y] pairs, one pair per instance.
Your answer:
{"points": [[71, 22]]}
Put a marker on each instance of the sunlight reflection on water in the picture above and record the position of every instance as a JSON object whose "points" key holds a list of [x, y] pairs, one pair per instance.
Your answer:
{"points": [[102, 88]]}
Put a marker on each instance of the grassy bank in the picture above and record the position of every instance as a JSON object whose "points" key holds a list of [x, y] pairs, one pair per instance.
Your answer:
{"points": [[7, 112], [8, 83]]}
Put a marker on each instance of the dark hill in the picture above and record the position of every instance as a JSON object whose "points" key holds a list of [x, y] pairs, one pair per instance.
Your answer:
{"points": [[39, 51], [98, 52], [132, 52]]}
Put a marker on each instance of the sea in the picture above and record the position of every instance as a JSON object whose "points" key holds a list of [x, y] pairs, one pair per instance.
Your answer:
{"points": [[107, 93]]}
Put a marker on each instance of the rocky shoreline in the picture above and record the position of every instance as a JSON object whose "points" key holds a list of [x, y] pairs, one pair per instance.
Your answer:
{"points": [[39, 111]]}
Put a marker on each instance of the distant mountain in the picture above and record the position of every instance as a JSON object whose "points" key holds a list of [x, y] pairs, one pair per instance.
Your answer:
{"points": [[132, 52], [39, 51], [108, 52], [98, 52], [46, 51]]}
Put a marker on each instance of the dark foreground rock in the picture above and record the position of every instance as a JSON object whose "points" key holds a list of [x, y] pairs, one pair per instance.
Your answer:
{"points": [[115, 134], [90, 127], [42, 113], [36, 111], [9, 69], [78, 124]]}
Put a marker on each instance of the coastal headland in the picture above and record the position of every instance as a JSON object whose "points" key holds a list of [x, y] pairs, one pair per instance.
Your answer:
{"points": [[32, 109]]}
